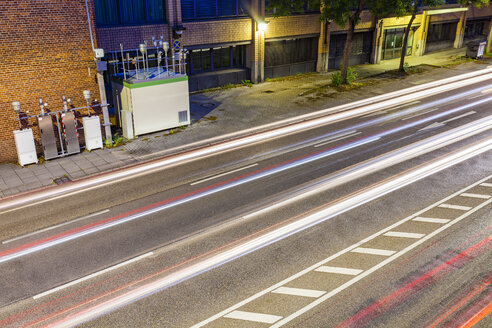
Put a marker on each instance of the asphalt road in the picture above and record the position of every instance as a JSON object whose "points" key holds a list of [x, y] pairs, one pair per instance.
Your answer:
{"points": [[201, 205]]}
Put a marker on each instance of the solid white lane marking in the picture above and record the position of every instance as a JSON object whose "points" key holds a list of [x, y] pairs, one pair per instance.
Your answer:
{"points": [[338, 254], [252, 316], [375, 268], [222, 174], [431, 220], [459, 116], [485, 184], [337, 139], [404, 234], [330, 269], [54, 227], [475, 195], [95, 274], [421, 113], [455, 207], [373, 251], [299, 292]]}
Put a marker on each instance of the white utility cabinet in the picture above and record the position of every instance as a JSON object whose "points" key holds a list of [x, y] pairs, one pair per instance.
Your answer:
{"points": [[155, 105], [92, 132], [26, 150]]}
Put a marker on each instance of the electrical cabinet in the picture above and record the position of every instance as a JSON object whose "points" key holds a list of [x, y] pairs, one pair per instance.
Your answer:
{"points": [[26, 150], [92, 132]]}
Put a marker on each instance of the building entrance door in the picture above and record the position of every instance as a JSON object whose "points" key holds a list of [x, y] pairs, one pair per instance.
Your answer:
{"points": [[393, 43]]}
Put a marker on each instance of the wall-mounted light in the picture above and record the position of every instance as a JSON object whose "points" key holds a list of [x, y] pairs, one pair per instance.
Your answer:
{"points": [[178, 31], [262, 25]]}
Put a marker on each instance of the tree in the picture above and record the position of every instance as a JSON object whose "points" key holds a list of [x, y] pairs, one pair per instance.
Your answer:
{"points": [[342, 12], [411, 7]]}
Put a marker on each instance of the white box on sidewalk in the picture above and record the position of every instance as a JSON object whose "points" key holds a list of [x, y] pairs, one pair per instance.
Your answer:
{"points": [[92, 132], [26, 150]]}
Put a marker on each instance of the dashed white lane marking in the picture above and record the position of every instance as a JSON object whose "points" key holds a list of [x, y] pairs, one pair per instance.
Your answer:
{"points": [[475, 195], [55, 226], [373, 251], [431, 220], [485, 184], [455, 207], [95, 274], [251, 316], [330, 269], [348, 135], [222, 174], [459, 116], [362, 275], [404, 234], [421, 113], [299, 292]]}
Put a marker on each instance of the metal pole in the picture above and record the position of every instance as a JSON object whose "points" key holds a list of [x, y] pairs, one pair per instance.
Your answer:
{"points": [[104, 104], [123, 61], [174, 64]]}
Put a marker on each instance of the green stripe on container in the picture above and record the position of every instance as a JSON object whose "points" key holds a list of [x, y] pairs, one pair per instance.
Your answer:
{"points": [[151, 83]]}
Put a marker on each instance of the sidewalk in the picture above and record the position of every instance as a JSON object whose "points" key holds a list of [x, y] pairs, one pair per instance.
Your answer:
{"points": [[219, 112]]}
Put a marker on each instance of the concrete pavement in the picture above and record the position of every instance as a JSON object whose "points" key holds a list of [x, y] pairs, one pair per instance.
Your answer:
{"points": [[223, 111]]}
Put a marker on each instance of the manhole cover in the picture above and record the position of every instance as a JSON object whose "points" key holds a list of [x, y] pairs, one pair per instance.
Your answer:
{"points": [[61, 180]]}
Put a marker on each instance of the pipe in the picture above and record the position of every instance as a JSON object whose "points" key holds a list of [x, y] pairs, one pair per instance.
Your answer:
{"points": [[90, 25]]}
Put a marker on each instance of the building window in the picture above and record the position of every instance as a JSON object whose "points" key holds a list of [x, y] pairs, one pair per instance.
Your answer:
{"points": [[288, 52], [214, 59], [129, 12], [205, 9], [441, 32], [475, 29], [298, 7]]}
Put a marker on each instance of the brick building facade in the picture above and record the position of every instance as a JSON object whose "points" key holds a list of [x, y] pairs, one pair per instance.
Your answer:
{"points": [[46, 52], [46, 44]]}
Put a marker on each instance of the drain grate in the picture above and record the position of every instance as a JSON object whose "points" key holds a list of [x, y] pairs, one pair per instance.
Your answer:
{"points": [[61, 180]]}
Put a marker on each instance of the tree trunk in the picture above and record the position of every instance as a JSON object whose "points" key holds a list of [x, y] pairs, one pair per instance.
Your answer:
{"points": [[355, 17], [346, 51], [405, 39]]}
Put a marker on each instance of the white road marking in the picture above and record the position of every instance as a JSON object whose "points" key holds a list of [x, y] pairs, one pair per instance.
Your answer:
{"points": [[222, 174], [404, 234], [95, 274], [460, 116], [251, 316], [375, 268], [485, 184], [54, 227], [330, 269], [373, 251], [430, 220], [473, 97], [338, 254], [475, 195], [455, 207], [337, 139], [418, 114], [487, 91], [299, 292]]}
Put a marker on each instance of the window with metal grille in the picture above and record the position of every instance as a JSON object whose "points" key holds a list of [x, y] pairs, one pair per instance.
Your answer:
{"points": [[204, 9], [129, 12]]}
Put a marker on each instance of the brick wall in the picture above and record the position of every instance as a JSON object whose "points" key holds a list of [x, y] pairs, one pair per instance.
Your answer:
{"points": [[217, 31], [292, 26], [45, 52]]}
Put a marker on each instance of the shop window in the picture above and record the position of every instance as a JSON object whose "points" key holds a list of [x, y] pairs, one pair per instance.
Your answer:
{"points": [[203, 9], [129, 12]]}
